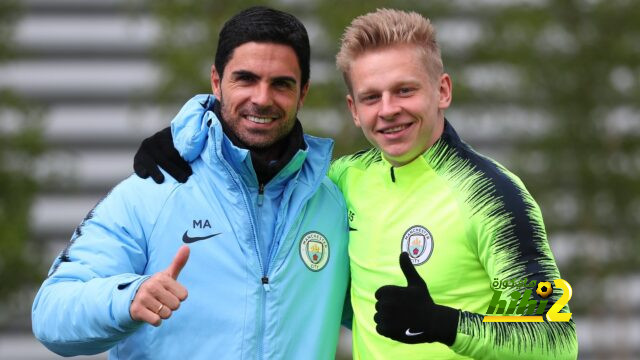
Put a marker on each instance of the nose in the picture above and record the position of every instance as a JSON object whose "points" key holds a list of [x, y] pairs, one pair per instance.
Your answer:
{"points": [[262, 95], [388, 108]]}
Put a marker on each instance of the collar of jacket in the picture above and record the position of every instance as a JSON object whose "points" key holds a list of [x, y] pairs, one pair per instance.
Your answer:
{"points": [[197, 132], [240, 159], [425, 161]]}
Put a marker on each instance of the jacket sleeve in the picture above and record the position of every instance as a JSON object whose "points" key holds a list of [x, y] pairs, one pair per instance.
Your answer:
{"points": [[512, 244], [83, 305]]}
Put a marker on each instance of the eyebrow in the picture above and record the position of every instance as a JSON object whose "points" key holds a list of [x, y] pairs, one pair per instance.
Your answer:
{"points": [[239, 73], [288, 79]]}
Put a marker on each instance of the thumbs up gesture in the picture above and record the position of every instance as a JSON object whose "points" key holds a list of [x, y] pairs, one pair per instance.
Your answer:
{"points": [[160, 295], [408, 313]]}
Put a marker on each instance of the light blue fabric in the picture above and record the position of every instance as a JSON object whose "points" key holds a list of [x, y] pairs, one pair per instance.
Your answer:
{"points": [[190, 130], [83, 306]]}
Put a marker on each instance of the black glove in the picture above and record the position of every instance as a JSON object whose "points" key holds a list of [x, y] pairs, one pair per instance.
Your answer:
{"points": [[409, 315], [158, 151]]}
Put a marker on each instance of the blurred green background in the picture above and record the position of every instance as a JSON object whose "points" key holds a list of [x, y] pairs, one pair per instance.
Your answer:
{"points": [[549, 88]]}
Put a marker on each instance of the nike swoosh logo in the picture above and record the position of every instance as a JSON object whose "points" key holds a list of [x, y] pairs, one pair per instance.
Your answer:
{"points": [[352, 229], [409, 333], [188, 239]]}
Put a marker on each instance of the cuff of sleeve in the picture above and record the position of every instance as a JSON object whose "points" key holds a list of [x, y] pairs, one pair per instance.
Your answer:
{"points": [[446, 320], [125, 291]]}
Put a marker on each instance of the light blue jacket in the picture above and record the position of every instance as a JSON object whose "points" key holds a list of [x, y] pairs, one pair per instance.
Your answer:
{"points": [[239, 306]]}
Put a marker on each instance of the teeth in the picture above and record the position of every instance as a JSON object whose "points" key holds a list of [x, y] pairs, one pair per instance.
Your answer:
{"points": [[259, 120], [395, 129]]}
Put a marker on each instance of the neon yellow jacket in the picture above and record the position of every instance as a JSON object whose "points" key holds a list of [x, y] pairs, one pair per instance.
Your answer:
{"points": [[466, 221]]}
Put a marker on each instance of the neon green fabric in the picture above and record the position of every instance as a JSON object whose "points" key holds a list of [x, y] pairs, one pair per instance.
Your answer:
{"points": [[481, 224]]}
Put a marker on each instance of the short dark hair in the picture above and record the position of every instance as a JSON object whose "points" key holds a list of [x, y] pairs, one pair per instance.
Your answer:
{"points": [[264, 25]]}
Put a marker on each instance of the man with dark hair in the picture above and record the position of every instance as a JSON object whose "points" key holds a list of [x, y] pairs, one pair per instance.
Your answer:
{"points": [[257, 234], [253, 25]]}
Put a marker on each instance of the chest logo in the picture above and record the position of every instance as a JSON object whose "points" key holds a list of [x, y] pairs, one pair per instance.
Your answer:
{"points": [[314, 250], [191, 239], [418, 242]]}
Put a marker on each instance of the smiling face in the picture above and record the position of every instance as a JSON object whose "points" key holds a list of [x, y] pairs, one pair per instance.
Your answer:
{"points": [[260, 92], [396, 103]]}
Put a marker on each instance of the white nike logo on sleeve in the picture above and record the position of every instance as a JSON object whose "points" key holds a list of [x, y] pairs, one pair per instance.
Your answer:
{"points": [[409, 333]]}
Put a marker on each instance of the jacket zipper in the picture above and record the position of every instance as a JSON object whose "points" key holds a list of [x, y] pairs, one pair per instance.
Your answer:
{"points": [[253, 226], [260, 194], [266, 287], [264, 280], [265, 277]]}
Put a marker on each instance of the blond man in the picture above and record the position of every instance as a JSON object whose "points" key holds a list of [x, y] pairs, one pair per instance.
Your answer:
{"points": [[457, 219]]}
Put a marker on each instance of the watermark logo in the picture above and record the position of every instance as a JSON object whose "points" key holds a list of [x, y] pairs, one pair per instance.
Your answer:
{"points": [[544, 289], [522, 304]]}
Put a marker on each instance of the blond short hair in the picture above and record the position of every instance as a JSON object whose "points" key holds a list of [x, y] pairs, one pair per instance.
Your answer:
{"points": [[389, 27]]}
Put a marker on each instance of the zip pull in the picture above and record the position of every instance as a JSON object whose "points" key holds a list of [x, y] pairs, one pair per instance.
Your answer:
{"points": [[393, 176], [260, 194], [265, 284]]}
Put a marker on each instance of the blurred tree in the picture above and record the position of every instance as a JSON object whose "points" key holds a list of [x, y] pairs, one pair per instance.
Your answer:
{"points": [[20, 144]]}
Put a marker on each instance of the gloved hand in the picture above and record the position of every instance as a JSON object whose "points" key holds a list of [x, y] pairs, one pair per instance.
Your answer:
{"points": [[408, 313], [158, 151]]}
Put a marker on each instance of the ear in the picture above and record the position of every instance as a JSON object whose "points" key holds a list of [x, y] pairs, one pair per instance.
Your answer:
{"points": [[354, 112], [303, 93], [215, 82], [445, 91]]}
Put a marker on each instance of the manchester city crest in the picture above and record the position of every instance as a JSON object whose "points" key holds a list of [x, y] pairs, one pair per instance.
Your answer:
{"points": [[418, 242], [314, 250]]}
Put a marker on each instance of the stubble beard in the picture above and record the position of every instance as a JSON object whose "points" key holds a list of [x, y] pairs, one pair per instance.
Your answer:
{"points": [[255, 141]]}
